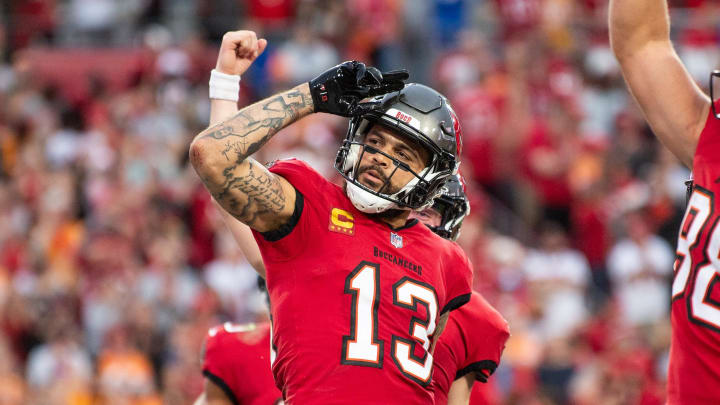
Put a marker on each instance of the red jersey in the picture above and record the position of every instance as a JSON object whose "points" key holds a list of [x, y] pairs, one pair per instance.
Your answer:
{"points": [[473, 340], [694, 375], [237, 359], [355, 303]]}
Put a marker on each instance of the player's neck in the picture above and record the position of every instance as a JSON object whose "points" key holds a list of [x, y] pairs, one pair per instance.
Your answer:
{"points": [[394, 217]]}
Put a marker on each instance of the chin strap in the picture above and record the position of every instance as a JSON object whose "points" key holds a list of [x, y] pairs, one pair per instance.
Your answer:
{"points": [[367, 202]]}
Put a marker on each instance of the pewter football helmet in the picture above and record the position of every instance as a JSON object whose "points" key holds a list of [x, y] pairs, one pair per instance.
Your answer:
{"points": [[420, 114]]}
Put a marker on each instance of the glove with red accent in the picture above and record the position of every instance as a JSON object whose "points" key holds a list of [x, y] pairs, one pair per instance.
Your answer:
{"points": [[340, 90]]}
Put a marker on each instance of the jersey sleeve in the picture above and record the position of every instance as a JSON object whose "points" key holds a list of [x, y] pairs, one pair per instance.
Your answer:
{"points": [[458, 282], [217, 366], [485, 333], [287, 242]]}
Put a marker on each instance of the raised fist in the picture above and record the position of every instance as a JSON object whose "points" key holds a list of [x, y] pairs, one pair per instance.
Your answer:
{"points": [[238, 51], [340, 89]]}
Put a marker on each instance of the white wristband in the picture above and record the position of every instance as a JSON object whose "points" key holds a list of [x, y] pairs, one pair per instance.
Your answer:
{"points": [[224, 86]]}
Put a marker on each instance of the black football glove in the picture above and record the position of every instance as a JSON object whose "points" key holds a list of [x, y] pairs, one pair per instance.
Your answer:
{"points": [[340, 89]]}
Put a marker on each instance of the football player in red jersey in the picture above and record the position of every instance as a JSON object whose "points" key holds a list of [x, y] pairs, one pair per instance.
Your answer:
{"points": [[357, 289], [469, 349], [681, 116]]}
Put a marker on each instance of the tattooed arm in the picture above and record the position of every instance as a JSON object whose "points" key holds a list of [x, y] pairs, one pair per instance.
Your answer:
{"points": [[241, 185], [221, 153]]}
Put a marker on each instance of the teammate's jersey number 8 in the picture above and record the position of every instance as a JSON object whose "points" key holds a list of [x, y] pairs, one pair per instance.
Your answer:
{"points": [[362, 346], [702, 309]]}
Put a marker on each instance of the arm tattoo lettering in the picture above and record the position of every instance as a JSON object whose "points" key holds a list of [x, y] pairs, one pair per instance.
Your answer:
{"points": [[264, 195], [245, 133], [240, 184]]}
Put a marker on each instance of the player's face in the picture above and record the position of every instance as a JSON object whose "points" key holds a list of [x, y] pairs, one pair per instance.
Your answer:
{"points": [[428, 216], [376, 168]]}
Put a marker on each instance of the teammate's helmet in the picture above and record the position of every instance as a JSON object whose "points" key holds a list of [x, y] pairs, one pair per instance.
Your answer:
{"points": [[453, 207], [420, 114]]}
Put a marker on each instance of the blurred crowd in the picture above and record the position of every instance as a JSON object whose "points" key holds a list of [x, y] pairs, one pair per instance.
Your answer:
{"points": [[114, 263]]}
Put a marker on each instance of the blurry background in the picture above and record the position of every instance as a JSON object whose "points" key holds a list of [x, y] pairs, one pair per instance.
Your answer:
{"points": [[113, 262]]}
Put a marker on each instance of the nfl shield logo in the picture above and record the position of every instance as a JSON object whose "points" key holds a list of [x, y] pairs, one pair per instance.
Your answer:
{"points": [[396, 240]]}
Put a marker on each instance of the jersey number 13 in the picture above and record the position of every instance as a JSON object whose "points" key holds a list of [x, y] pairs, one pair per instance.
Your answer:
{"points": [[362, 346]]}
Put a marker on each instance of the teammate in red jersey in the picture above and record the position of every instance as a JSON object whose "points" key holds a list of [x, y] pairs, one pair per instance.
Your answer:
{"points": [[236, 365], [469, 350], [356, 288], [681, 116], [470, 347]]}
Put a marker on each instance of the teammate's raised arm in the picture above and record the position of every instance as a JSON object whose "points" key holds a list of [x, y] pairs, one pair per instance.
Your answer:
{"points": [[678, 112], [238, 51], [673, 104]]}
